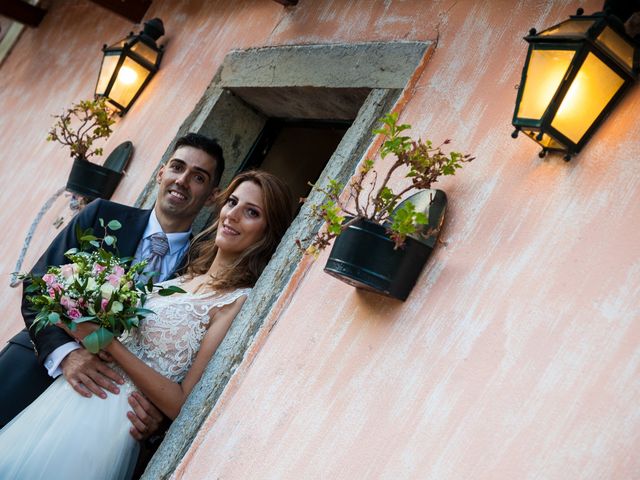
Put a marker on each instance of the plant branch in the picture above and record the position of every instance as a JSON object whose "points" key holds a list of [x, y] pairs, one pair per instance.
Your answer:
{"points": [[373, 185], [94, 120]]}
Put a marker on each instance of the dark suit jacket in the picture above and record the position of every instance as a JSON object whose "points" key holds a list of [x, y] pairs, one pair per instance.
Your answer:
{"points": [[134, 222]]}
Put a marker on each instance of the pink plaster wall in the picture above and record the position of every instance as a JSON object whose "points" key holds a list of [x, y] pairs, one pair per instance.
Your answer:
{"points": [[516, 356]]}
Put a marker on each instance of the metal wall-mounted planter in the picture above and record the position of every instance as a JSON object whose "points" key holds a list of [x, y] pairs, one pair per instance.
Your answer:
{"points": [[97, 181], [363, 255]]}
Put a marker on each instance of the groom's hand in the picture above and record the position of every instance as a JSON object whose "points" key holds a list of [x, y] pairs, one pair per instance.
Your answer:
{"points": [[145, 419], [88, 375]]}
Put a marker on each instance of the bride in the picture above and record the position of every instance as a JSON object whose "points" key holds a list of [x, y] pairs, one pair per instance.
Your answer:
{"points": [[63, 435]]}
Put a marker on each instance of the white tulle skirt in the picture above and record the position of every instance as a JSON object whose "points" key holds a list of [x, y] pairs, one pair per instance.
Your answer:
{"points": [[63, 435]]}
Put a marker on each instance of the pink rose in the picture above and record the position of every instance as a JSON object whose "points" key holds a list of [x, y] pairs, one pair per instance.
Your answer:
{"points": [[53, 289], [68, 270], [49, 279], [118, 270], [74, 313], [67, 302], [97, 268], [113, 279], [103, 304]]}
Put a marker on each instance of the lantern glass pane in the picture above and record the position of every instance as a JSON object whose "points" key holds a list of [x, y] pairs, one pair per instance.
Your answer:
{"points": [[131, 76], [590, 92], [146, 52], [617, 46], [545, 72], [109, 63], [573, 26]]}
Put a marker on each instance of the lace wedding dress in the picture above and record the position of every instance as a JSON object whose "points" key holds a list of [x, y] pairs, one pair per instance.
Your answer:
{"points": [[63, 435]]}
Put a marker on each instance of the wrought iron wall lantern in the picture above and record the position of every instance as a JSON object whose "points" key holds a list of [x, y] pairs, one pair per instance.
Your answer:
{"points": [[128, 66], [574, 74]]}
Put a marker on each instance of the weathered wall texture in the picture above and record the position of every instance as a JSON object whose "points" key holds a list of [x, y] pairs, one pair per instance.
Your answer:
{"points": [[517, 356]]}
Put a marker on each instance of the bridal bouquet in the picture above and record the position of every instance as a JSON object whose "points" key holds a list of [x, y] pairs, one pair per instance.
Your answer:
{"points": [[97, 286]]}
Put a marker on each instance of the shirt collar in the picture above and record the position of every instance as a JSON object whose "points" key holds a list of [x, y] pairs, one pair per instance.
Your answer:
{"points": [[177, 240]]}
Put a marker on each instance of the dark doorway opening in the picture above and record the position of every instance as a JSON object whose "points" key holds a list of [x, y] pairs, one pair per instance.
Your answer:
{"points": [[296, 150]]}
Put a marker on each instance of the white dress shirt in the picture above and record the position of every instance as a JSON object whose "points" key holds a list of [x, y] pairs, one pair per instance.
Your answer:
{"points": [[178, 246]]}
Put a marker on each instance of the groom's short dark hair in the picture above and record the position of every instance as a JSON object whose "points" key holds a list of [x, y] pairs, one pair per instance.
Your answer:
{"points": [[206, 144]]}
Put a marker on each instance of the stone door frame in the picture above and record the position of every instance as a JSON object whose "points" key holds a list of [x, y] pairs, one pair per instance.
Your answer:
{"points": [[234, 109]]}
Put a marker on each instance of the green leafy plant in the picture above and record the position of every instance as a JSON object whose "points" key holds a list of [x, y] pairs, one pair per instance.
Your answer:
{"points": [[79, 126], [365, 199]]}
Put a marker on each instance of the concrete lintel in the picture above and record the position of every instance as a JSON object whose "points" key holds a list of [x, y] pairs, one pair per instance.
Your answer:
{"points": [[355, 65], [305, 102], [272, 282]]}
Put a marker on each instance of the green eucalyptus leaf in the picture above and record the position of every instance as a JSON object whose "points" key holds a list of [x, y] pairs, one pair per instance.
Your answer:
{"points": [[170, 290], [114, 225], [165, 292], [31, 288], [96, 341]]}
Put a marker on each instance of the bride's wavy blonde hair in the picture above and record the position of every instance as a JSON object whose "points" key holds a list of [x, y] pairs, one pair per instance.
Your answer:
{"points": [[244, 272]]}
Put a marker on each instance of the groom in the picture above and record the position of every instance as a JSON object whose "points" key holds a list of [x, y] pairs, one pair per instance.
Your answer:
{"points": [[187, 182]]}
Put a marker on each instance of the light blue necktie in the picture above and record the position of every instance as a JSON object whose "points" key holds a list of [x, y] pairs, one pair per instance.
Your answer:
{"points": [[159, 248]]}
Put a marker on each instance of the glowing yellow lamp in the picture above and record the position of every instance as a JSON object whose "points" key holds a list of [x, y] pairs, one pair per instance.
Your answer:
{"points": [[574, 74], [128, 65]]}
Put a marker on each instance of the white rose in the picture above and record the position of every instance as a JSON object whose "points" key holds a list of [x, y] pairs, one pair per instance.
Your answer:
{"points": [[116, 307], [91, 284], [107, 290]]}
